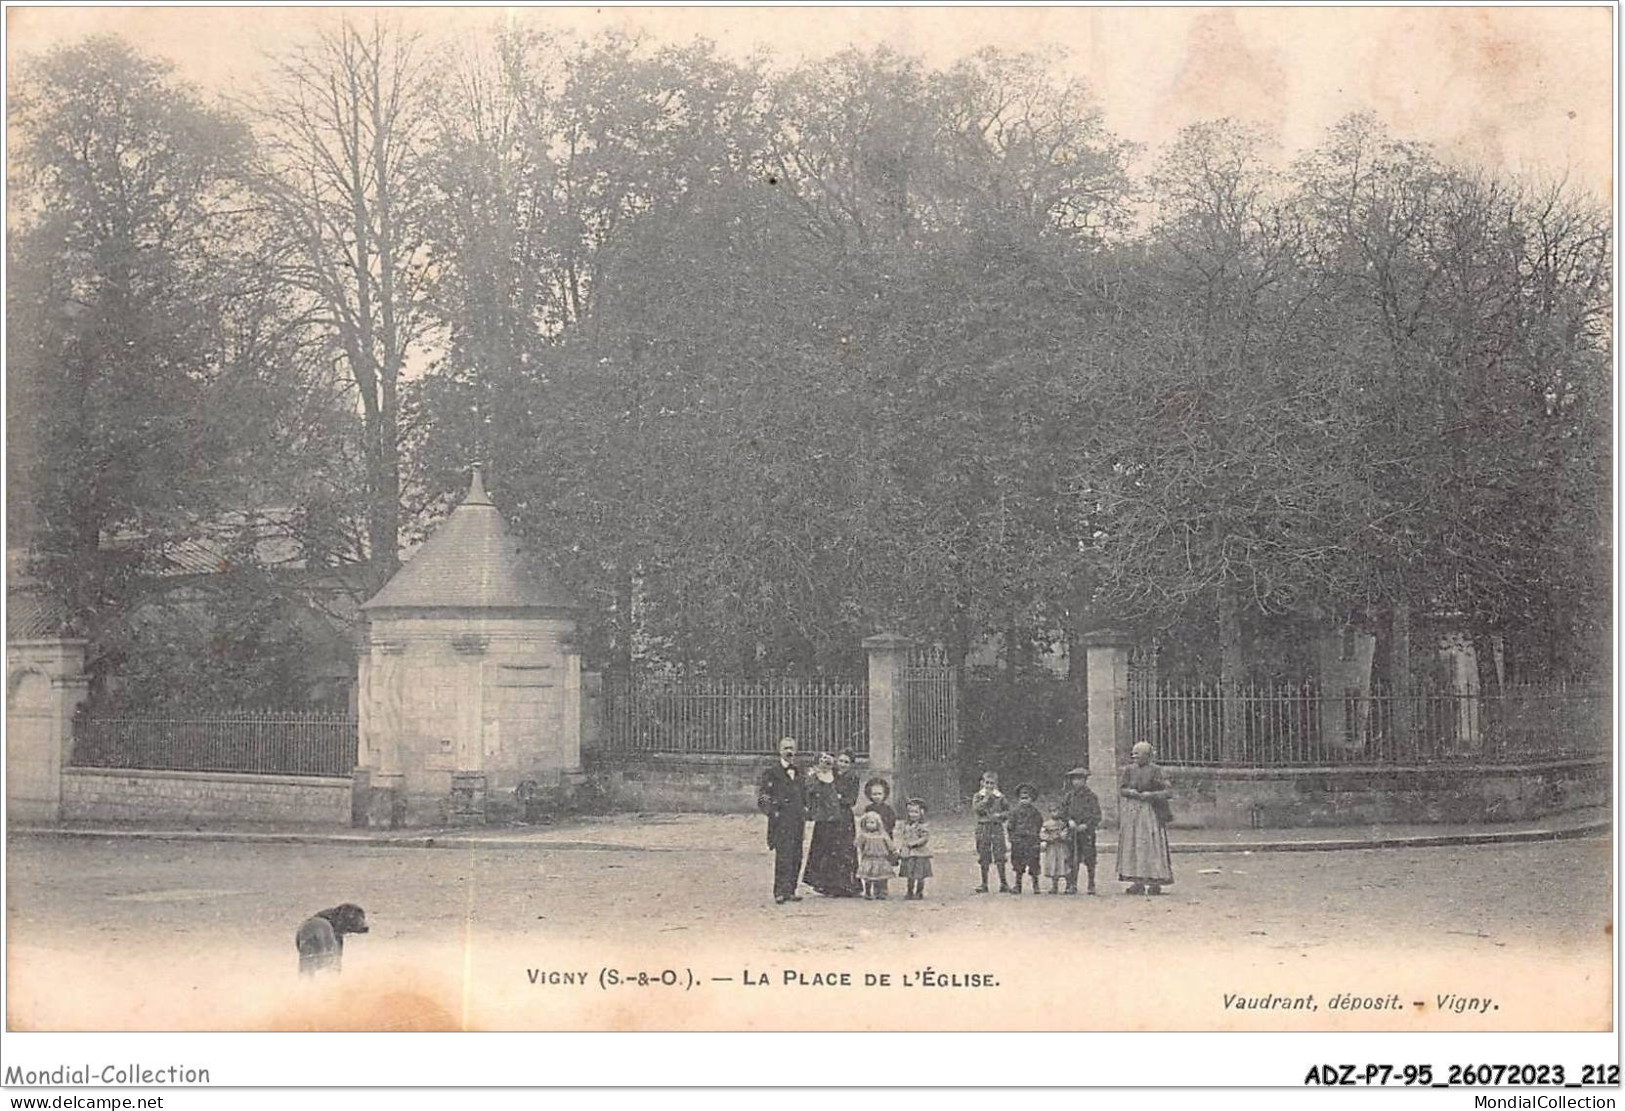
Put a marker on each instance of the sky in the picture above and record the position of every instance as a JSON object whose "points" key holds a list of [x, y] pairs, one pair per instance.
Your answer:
{"points": [[1525, 91]]}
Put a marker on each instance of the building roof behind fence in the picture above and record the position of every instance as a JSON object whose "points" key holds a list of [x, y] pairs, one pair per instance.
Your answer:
{"points": [[471, 562], [32, 612]]}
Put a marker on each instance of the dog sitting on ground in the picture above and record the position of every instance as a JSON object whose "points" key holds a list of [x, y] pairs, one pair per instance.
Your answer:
{"points": [[320, 939]]}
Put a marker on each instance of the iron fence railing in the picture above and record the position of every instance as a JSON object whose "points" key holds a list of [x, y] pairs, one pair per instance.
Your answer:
{"points": [[716, 716], [1306, 726], [932, 709], [265, 742]]}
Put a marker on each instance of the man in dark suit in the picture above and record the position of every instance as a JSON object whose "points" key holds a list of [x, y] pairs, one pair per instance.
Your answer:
{"points": [[782, 796]]}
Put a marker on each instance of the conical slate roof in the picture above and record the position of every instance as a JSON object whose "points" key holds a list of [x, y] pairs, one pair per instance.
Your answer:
{"points": [[471, 562]]}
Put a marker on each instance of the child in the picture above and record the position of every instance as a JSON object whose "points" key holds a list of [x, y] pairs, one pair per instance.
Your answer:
{"points": [[1055, 835], [875, 853], [1081, 809], [915, 849], [878, 791], [991, 809], [1025, 821]]}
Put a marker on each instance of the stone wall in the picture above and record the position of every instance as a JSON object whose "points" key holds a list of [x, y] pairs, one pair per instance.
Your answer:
{"points": [[715, 784], [1206, 798], [1239, 798], [128, 795], [681, 784]]}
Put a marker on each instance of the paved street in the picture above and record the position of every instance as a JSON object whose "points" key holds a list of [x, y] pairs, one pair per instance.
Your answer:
{"points": [[156, 934]]}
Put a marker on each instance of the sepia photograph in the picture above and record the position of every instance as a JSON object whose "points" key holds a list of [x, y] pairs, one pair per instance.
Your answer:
{"points": [[544, 519]]}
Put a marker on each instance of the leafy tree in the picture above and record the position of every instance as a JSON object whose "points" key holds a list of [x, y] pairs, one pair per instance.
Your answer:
{"points": [[1550, 463], [125, 266], [763, 360], [965, 208], [1434, 272], [550, 165], [1225, 489], [750, 419]]}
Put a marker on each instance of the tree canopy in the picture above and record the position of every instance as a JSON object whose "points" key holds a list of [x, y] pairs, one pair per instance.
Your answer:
{"points": [[131, 303], [763, 359]]}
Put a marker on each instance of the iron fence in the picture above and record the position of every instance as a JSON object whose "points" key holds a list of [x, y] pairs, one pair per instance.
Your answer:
{"points": [[932, 713], [1305, 726], [275, 742], [722, 717]]}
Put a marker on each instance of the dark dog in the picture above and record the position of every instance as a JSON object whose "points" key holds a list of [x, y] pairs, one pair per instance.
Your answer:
{"points": [[320, 939]]}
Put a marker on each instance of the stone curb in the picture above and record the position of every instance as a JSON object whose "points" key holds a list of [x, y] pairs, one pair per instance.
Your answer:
{"points": [[1420, 841], [457, 840]]}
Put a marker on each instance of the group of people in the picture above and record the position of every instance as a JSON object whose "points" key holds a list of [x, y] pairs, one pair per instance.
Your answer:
{"points": [[846, 857], [1058, 845], [851, 855]]}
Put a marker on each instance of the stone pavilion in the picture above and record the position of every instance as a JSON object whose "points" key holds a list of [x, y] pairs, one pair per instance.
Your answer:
{"points": [[470, 687]]}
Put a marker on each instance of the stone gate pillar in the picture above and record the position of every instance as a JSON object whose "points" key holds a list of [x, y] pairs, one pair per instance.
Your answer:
{"points": [[45, 685], [888, 704], [1459, 656], [1106, 654]]}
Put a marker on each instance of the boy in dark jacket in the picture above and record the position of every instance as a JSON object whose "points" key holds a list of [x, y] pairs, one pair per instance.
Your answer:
{"points": [[1025, 821], [1081, 809]]}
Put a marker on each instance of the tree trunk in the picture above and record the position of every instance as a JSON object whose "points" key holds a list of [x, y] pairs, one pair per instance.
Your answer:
{"points": [[1232, 665], [621, 656], [385, 511], [1399, 671], [387, 498], [1014, 656], [383, 520], [1077, 678]]}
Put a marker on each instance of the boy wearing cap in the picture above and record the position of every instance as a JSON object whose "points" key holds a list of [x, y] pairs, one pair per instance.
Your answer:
{"points": [[1081, 809], [1025, 821]]}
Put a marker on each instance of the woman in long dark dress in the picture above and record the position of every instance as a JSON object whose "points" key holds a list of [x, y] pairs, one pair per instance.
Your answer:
{"points": [[830, 857], [846, 785]]}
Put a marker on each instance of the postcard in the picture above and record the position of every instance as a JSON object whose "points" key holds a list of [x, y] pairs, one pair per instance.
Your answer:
{"points": [[809, 519]]}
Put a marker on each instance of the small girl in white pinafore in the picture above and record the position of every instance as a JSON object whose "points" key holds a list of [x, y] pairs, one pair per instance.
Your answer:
{"points": [[875, 855], [1054, 835]]}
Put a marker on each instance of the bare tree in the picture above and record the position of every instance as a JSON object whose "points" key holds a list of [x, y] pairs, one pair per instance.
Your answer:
{"points": [[342, 177], [1226, 257]]}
